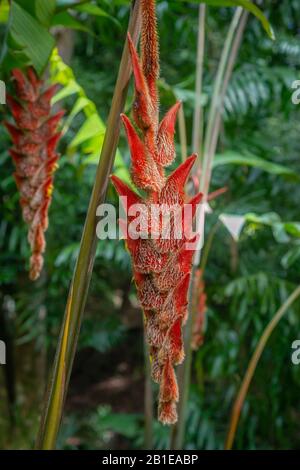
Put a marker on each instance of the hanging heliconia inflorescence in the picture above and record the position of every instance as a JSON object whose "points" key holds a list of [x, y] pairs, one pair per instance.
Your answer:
{"points": [[35, 137], [161, 265]]}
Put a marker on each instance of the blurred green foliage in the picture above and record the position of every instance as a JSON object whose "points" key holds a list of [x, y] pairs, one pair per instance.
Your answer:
{"points": [[245, 282]]}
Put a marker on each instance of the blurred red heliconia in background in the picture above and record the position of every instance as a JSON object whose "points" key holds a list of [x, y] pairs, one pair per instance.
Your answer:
{"points": [[35, 138], [161, 266]]}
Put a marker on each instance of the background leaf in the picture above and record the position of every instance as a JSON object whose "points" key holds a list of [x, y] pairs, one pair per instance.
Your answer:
{"points": [[66, 19], [234, 158], [36, 42]]}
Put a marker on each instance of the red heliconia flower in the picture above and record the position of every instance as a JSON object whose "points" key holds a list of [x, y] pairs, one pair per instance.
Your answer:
{"points": [[35, 138], [161, 265]]}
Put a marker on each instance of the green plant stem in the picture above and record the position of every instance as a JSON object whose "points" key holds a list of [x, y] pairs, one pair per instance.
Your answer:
{"points": [[227, 75], [182, 133], [208, 245], [198, 114], [217, 103], [240, 399], [52, 412]]}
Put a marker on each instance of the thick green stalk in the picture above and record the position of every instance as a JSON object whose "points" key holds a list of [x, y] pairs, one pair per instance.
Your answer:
{"points": [[58, 384], [240, 399]]}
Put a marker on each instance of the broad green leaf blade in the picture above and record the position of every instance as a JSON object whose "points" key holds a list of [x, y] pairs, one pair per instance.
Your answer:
{"points": [[44, 10], [27, 6], [234, 158], [36, 42], [247, 5]]}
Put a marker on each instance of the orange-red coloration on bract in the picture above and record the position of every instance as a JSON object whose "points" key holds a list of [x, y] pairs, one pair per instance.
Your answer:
{"points": [[161, 266], [35, 137]]}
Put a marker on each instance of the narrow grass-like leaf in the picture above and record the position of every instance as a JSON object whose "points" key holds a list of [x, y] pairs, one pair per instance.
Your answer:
{"points": [[241, 396], [247, 5], [235, 158]]}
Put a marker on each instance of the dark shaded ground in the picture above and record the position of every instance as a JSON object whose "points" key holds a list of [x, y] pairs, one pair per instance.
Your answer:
{"points": [[114, 378]]}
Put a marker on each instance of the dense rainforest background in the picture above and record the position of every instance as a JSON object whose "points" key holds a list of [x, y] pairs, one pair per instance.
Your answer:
{"points": [[247, 277]]}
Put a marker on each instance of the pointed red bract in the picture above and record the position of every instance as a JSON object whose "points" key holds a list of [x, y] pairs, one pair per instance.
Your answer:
{"points": [[162, 255], [124, 191], [165, 138], [173, 190], [145, 173]]}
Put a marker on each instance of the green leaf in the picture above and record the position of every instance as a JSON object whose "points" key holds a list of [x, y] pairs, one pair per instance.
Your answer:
{"points": [[81, 103], [91, 10], [234, 158], [291, 257], [247, 5], [94, 10], [270, 218], [63, 5], [121, 423], [44, 10], [292, 228], [27, 6], [65, 19], [92, 127], [282, 231], [70, 89], [35, 40], [4, 11]]}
